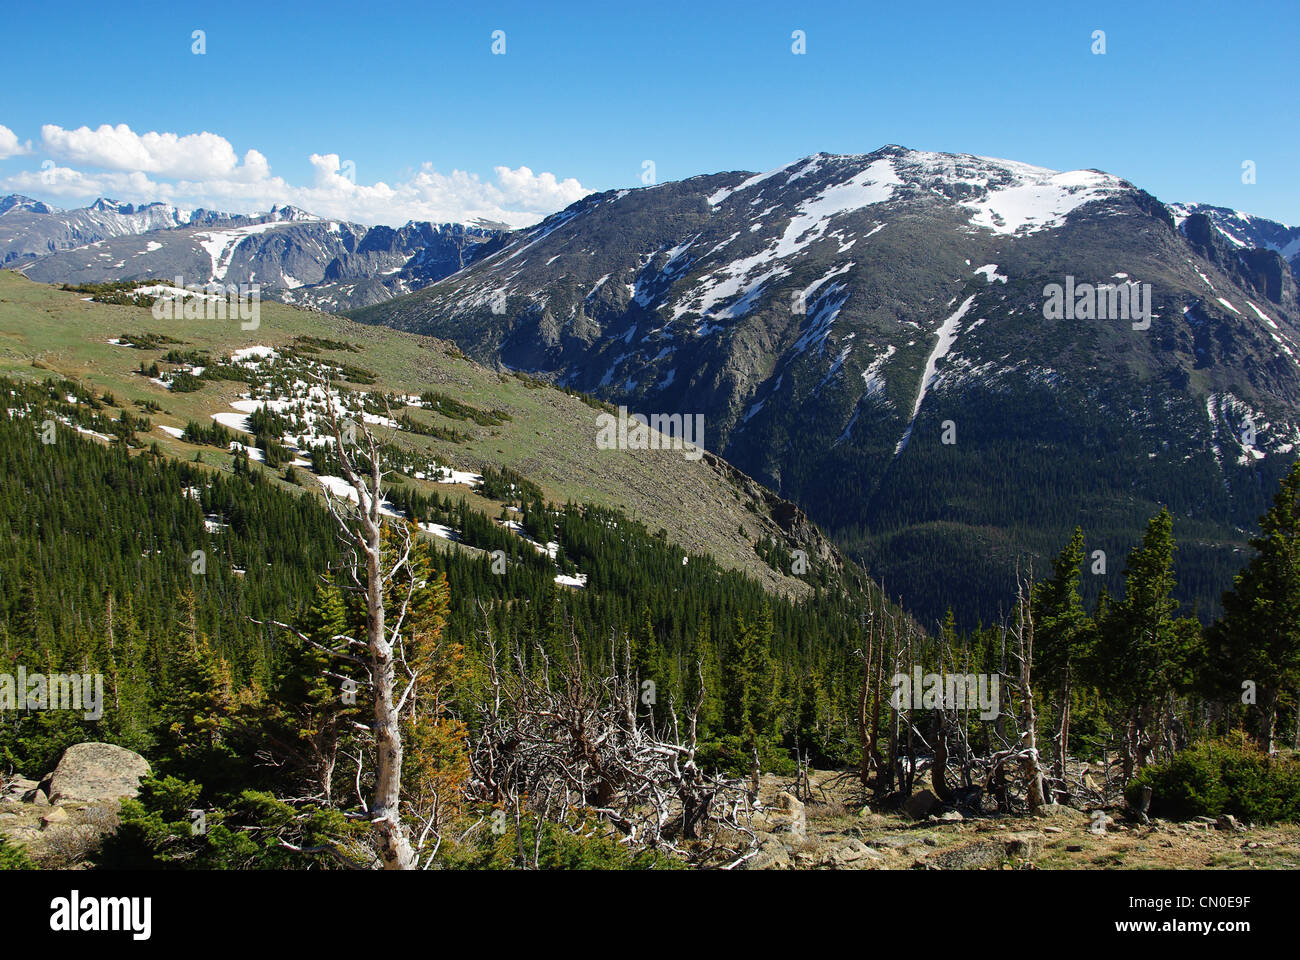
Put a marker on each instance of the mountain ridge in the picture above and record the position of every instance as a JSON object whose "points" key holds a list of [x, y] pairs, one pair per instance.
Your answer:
{"points": [[811, 313], [293, 255]]}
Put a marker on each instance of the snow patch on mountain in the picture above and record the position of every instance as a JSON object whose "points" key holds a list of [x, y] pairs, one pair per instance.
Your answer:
{"points": [[220, 245], [875, 382], [1041, 199], [821, 316], [1260, 313], [753, 181], [947, 336]]}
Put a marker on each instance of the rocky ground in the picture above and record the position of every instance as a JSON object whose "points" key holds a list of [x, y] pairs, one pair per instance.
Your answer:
{"points": [[833, 830], [60, 820]]}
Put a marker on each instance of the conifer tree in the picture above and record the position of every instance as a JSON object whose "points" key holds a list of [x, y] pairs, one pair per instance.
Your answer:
{"points": [[704, 683], [316, 696], [1064, 636], [1257, 641], [196, 715], [1146, 651], [750, 683]]}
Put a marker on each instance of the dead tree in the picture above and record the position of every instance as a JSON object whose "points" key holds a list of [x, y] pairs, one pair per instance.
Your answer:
{"points": [[556, 744], [939, 768], [895, 713], [910, 769], [876, 757], [865, 734], [1030, 765], [368, 572]]}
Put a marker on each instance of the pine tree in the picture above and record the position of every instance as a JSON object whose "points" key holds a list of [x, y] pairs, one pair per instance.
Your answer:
{"points": [[316, 697], [649, 666], [1064, 635], [1258, 638], [750, 683], [1146, 651], [703, 683], [196, 716], [436, 761]]}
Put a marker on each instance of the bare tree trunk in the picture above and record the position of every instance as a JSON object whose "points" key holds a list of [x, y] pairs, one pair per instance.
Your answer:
{"points": [[911, 747], [1268, 721], [939, 772], [385, 808], [1029, 763], [864, 696], [1144, 743], [896, 714], [876, 758], [1129, 747], [385, 814], [939, 769], [999, 722], [1063, 736], [1169, 726], [1295, 738]]}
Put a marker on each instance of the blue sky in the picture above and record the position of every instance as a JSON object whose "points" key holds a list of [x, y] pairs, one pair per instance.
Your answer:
{"points": [[408, 95]]}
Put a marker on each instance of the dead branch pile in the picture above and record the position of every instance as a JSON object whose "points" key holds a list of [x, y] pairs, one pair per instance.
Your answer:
{"points": [[557, 744]]}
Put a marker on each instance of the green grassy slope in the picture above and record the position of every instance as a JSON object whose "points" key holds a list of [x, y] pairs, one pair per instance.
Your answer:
{"points": [[704, 506]]}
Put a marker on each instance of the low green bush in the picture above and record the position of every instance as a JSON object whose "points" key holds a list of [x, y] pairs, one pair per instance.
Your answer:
{"points": [[1222, 776], [13, 858]]}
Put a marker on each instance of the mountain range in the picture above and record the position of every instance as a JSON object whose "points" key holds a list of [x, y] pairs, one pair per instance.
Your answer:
{"points": [[868, 335], [296, 257]]}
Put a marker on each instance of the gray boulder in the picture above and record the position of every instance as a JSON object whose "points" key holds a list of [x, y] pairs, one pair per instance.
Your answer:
{"points": [[851, 854], [771, 855], [97, 771], [1059, 811], [1229, 823]]}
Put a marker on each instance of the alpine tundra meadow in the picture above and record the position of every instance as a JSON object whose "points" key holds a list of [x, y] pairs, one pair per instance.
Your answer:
{"points": [[476, 440]]}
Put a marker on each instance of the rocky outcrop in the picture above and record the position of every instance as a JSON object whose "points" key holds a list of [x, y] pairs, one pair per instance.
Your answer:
{"points": [[97, 771], [61, 819], [1059, 811]]}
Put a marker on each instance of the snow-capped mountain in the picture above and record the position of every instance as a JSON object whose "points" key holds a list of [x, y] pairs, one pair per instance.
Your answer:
{"points": [[1245, 231], [295, 256], [30, 229], [23, 204], [870, 336]]}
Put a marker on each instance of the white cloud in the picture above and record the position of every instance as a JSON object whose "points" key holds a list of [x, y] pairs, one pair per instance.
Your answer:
{"points": [[518, 197], [70, 184], [9, 145], [195, 155], [203, 170], [540, 191]]}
